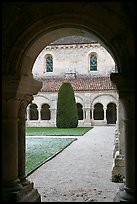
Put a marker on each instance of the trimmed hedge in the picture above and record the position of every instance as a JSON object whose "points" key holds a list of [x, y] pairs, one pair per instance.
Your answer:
{"points": [[67, 115]]}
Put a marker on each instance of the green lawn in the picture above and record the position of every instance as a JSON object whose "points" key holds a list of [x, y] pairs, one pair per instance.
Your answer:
{"points": [[56, 131], [39, 150]]}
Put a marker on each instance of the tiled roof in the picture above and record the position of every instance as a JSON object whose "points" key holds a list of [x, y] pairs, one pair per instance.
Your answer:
{"points": [[90, 83], [72, 40]]}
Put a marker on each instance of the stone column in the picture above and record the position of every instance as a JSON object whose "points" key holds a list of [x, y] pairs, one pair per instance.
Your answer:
{"points": [[122, 126], [87, 119], [105, 118], [53, 111], [116, 139], [126, 90], [28, 117], [11, 182], [39, 115], [118, 170], [128, 193], [87, 115], [22, 140], [92, 116], [53, 117], [15, 189], [84, 113]]}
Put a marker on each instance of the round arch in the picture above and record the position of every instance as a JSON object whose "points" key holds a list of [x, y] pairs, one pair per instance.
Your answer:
{"points": [[41, 30], [30, 54], [28, 29]]}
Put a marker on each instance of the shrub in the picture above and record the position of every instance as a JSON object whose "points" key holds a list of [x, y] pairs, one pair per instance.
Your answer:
{"points": [[67, 116]]}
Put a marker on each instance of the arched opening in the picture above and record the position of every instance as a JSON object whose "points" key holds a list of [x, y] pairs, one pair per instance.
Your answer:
{"points": [[111, 113], [31, 35], [98, 112], [80, 111], [45, 112], [33, 112]]}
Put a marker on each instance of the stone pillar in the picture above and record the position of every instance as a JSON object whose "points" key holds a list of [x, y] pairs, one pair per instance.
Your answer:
{"points": [[92, 116], [53, 111], [116, 139], [39, 115], [87, 119], [22, 140], [126, 90], [128, 193], [28, 117], [14, 186], [118, 170], [53, 117], [28, 188], [105, 118], [11, 182]]}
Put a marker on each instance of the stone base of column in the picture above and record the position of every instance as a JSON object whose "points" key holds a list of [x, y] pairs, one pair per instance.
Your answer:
{"points": [[124, 194], [26, 194], [127, 195], [117, 197]]}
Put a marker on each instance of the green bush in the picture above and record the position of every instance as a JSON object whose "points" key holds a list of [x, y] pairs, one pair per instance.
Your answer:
{"points": [[67, 115]]}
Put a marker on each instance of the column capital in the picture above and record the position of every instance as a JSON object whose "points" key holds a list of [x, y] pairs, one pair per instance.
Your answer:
{"points": [[25, 100], [18, 87]]}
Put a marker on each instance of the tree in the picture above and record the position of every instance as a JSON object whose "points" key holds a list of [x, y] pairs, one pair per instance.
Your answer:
{"points": [[67, 116]]}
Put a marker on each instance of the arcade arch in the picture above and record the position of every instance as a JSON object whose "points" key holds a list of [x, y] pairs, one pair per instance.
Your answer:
{"points": [[21, 50]]}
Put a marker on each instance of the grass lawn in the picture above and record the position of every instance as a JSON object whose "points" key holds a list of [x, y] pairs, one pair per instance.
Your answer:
{"points": [[56, 131], [39, 150]]}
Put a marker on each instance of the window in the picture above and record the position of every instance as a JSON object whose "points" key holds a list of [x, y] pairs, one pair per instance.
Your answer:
{"points": [[49, 63], [93, 62]]}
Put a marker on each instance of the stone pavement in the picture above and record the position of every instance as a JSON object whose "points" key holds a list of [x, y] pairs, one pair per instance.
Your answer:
{"points": [[81, 172]]}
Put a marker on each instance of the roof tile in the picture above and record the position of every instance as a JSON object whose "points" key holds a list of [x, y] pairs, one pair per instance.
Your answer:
{"points": [[80, 83]]}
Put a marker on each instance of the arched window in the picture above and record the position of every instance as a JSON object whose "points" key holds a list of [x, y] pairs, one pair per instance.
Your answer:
{"points": [[33, 112], [93, 61], [98, 112], [111, 113], [80, 111], [49, 63], [45, 112]]}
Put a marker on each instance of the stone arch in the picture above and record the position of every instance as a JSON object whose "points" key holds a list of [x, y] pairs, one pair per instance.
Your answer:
{"points": [[39, 99], [79, 100], [26, 33], [111, 98]]}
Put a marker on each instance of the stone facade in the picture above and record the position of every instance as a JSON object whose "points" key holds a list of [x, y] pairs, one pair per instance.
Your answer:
{"points": [[71, 60], [74, 59], [86, 99]]}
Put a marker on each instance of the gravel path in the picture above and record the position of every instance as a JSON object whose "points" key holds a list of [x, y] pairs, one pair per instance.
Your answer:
{"points": [[81, 172]]}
